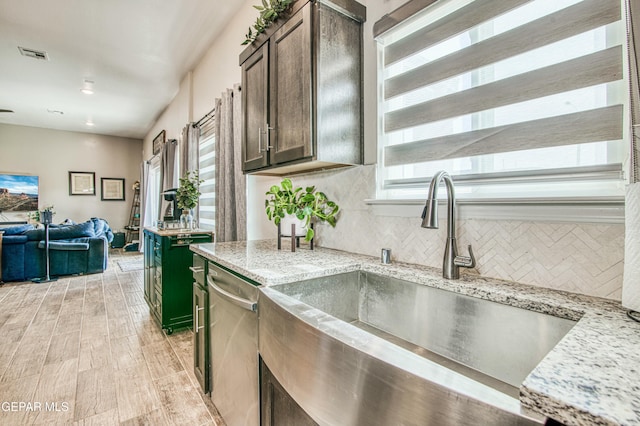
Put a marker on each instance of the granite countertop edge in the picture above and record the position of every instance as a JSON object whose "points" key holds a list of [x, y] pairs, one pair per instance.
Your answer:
{"points": [[169, 232], [588, 378]]}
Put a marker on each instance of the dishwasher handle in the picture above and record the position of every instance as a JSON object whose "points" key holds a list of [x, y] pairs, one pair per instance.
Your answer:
{"points": [[238, 301]]}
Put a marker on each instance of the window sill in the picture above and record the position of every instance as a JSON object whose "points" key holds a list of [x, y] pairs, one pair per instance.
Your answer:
{"points": [[583, 210]]}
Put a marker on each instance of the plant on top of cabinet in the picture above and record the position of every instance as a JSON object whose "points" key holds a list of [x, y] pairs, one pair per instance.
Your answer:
{"points": [[304, 204], [269, 12]]}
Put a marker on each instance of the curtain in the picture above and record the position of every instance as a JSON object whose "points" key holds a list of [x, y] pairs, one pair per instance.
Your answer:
{"points": [[144, 200], [631, 276], [169, 170], [633, 35], [231, 203], [189, 139]]}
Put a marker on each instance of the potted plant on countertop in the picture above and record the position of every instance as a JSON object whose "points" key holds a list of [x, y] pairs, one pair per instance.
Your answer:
{"points": [[187, 196], [285, 204]]}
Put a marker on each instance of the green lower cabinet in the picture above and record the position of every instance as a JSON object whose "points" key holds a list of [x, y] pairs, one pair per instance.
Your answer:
{"points": [[201, 362], [168, 284], [148, 263]]}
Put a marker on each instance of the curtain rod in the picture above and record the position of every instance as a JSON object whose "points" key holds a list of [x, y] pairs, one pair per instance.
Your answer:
{"points": [[208, 116], [159, 154], [151, 158]]}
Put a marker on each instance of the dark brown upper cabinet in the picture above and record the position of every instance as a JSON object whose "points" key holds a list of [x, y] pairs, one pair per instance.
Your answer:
{"points": [[302, 90]]}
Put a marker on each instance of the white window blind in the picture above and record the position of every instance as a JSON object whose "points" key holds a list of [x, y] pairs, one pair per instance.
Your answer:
{"points": [[514, 98], [206, 165]]}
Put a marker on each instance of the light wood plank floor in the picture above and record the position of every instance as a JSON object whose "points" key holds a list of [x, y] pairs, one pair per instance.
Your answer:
{"points": [[85, 351]]}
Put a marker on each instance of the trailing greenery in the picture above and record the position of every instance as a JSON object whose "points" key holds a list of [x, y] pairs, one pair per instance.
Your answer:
{"points": [[188, 193], [304, 204], [269, 12]]}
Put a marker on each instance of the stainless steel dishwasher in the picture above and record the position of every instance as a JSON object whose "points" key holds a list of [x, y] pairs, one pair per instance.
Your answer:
{"points": [[234, 347]]}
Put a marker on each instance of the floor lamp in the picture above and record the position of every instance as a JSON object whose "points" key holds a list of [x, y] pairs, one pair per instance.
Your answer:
{"points": [[47, 218], [1, 234]]}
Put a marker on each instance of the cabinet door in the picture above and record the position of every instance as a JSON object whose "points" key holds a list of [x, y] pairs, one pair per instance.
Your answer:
{"points": [[276, 405], [156, 291], [255, 72], [290, 90], [200, 338], [148, 262]]}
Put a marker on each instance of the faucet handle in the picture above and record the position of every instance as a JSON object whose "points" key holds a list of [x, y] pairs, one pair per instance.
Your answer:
{"points": [[466, 261]]}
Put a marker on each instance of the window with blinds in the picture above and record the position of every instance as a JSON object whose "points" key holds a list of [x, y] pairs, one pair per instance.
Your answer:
{"points": [[514, 98], [206, 165]]}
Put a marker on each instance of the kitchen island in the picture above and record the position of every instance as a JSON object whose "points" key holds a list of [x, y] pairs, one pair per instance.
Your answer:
{"points": [[590, 377]]}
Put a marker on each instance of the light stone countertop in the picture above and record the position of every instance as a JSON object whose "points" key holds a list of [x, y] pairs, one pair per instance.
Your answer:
{"points": [[592, 377], [169, 232]]}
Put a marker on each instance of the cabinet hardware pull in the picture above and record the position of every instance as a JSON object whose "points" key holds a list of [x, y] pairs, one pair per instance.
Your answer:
{"points": [[238, 301], [198, 327], [269, 129], [196, 315], [195, 269], [266, 132]]}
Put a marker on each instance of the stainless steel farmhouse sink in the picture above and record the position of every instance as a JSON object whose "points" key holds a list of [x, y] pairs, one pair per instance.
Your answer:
{"points": [[365, 349]]}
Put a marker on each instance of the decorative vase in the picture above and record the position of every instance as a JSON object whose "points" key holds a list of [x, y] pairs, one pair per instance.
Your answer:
{"points": [[285, 226], [186, 219]]}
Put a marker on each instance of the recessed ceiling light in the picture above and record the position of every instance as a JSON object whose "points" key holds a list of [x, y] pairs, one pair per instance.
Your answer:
{"points": [[87, 87], [89, 123]]}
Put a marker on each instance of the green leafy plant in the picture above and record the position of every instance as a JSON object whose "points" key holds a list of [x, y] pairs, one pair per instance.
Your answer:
{"points": [[269, 12], [35, 215], [303, 204], [188, 193]]}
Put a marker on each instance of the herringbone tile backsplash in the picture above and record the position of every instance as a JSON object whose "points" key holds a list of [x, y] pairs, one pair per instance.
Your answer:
{"points": [[575, 257]]}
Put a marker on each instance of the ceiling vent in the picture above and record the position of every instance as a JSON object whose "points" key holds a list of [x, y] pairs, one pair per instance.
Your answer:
{"points": [[32, 53]]}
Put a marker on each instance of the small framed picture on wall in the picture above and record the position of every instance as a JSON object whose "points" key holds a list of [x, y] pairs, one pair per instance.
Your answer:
{"points": [[82, 183], [158, 142], [112, 189]]}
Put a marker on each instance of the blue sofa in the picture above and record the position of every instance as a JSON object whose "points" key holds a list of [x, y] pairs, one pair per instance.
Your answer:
{"points": [[81, 248]]}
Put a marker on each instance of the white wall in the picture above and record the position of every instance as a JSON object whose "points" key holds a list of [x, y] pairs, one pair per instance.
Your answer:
{"points": [[173, 118], [198, 90], [51, 154], [219, 68]]}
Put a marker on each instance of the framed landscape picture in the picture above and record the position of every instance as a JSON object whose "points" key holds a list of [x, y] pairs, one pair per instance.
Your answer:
{"points": [[82, 183], [18, 193], [158, 141], [112, 189]]}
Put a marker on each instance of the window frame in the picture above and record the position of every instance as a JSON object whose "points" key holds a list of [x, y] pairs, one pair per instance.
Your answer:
{"points": [[207, 136], [607, 209]]}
